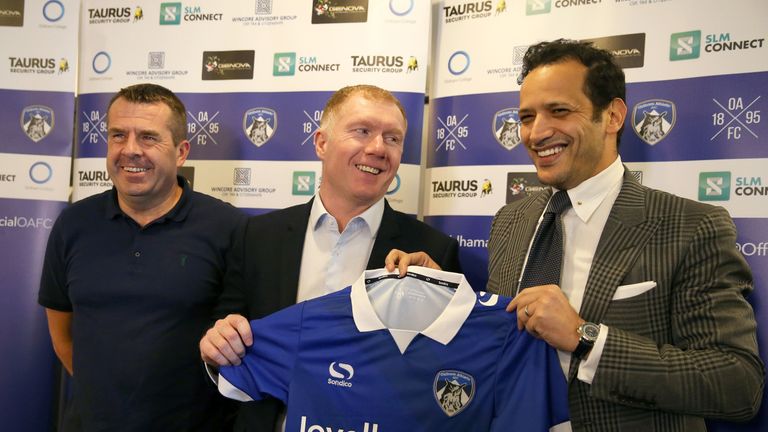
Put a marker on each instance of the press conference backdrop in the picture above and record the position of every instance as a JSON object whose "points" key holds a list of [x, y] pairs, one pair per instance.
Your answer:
{"points": [[38, 48], [255, 74], [697, 97]]}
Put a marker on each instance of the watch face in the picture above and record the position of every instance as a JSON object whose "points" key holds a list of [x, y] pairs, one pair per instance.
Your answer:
{"points": [[590, 331]]}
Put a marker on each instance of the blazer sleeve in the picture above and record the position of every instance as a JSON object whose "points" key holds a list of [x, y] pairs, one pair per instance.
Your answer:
{"points": [[710, 367]]}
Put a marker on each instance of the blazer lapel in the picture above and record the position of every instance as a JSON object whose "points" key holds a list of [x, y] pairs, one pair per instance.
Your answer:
{"points": [[626, 232], [516, 239], [291, 249]]}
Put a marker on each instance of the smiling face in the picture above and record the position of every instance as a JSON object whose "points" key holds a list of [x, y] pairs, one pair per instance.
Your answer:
{"points": [[566, 141], [360, 146], [141, 156]]}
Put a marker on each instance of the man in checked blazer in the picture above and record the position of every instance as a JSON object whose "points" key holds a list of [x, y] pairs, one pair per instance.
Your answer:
{"points": [[312, 249], [650, 318]]}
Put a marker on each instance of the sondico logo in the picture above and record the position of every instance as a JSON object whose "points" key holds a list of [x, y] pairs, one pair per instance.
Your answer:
{"points": [[342, 373], [715, 186], [685, 46]]}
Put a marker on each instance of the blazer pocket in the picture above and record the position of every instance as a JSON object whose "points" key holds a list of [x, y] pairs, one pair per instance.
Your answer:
{"points": [[632, 290]]}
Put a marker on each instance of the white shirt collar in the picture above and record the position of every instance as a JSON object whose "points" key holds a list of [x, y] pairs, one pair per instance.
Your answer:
{"points": [[588, 195], [371, 216], [442, 330]]}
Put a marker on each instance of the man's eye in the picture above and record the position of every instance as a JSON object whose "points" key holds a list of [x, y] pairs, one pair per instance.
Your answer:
{"points": [[392, 139]]}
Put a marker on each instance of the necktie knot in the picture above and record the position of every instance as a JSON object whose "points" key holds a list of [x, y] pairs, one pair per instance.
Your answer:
{"points": [[559, 203]]}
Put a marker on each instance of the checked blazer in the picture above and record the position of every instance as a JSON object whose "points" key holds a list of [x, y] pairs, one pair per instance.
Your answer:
{"points": [[263, 273], [675, 354]]}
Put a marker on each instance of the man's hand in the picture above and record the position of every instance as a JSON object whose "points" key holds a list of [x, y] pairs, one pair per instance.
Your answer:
{"points": [[545, 313], [401, 260], [224, 343]]}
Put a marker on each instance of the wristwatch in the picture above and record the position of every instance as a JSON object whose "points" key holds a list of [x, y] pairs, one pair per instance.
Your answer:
{"points": [[587, 336]]}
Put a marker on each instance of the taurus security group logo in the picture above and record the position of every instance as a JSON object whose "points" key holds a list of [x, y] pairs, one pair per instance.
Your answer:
{"points": [[37, 121], [259, 124], [453, 391], [506, 128], [653, 119]]}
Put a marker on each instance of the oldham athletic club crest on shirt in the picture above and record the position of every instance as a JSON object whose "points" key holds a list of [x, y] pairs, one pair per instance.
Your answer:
{"points": [[506, 128], [259, 124], [37, 121], [652, 120], [453, 391]]}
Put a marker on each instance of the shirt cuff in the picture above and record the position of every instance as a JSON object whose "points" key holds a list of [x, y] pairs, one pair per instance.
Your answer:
{"points": [[588, 366]]}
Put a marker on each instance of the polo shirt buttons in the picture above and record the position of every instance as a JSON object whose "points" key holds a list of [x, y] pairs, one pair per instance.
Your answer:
{"points": [[137, 254]]}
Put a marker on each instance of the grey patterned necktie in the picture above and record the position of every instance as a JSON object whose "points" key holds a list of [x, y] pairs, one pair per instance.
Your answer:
{"points": [[546, 257]]}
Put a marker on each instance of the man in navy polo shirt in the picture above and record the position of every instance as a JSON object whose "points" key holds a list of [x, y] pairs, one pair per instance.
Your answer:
{"points": [[131, 275]]}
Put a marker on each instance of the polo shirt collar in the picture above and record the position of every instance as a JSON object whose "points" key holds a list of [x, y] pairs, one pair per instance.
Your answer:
{"points": [[178, 213], [442, 330], [589, 194]]}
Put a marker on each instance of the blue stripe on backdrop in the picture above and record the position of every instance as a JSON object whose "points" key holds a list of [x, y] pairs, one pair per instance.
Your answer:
{"points": [[13, 140], [216, 130], [27, 375], [717, 117]]}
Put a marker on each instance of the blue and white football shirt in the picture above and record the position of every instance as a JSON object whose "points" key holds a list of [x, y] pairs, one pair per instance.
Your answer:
{"points": [[421, 353]]}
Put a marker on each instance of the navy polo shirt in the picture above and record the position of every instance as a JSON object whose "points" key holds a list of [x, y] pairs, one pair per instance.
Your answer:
{"points": [[141, 299]]}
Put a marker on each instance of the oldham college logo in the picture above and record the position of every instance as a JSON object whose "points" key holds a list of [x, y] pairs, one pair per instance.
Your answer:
{"points": [[453, 391], [652, 120], [259, 124], [37, 121], [506, 128]]}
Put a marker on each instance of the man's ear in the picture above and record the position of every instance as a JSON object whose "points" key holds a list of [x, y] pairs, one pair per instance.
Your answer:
{"points": [[182, 152], [617, 112], [321, 143]]}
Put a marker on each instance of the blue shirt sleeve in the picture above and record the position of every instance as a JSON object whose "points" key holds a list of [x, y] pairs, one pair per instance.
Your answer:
{"points": [[267, 367]]}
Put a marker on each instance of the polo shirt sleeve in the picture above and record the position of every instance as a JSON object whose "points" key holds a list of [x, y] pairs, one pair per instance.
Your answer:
{"points": [[267, 367], [532, 394], [54, 293]]}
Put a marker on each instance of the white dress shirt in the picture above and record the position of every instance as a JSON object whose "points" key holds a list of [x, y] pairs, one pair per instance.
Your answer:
{"points": [[583, 225], [333, 260]]}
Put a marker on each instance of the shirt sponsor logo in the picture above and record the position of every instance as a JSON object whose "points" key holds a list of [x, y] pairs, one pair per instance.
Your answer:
{"points": [[304, 427]]}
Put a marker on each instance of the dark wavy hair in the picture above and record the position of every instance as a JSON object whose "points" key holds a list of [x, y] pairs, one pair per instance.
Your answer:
{"points": [[153, 93], [604, 81]]}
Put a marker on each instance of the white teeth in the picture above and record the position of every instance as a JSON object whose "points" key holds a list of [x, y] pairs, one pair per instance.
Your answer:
{"points": [[368, 169], [550, 151], [134, 169]]}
